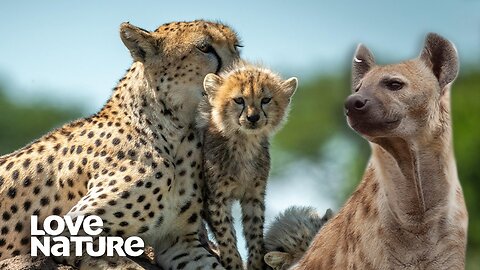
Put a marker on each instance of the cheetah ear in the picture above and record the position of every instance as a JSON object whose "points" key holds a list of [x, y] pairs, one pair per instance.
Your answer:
{"points": [[362, 62], [211, 84], [139, 41], [290, 86], [441, 57], [277, 259]]}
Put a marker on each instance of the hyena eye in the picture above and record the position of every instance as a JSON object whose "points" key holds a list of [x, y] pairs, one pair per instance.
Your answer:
{"points": [[266, 100], [239, 100], [394, 85]]}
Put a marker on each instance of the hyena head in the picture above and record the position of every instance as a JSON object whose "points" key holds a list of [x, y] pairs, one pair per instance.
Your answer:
{"points": [[177, 56], [406, 100], [249, 99]]}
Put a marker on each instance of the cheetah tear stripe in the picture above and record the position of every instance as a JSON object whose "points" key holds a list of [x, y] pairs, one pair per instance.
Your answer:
{"points": [[92, 225]]}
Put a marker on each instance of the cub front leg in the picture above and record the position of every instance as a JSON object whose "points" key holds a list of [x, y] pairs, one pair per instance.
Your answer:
{"points": [[220, 220], [253, 218]]}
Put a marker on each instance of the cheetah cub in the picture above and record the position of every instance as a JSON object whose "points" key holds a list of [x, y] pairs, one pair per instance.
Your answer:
{"points": [[290, 235], [242, 109]]}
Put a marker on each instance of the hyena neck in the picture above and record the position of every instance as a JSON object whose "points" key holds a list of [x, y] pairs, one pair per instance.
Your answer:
{"points": [[143, 106], [419, 178]]}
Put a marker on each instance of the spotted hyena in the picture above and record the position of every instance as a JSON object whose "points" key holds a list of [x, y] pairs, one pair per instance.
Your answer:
{"points": [[408, 212]]}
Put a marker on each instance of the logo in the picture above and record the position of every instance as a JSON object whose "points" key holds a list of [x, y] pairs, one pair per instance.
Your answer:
{"points": [[60, 235]]}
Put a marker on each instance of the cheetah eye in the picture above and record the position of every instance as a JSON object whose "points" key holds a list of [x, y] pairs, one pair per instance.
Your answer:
{"points": [[266, 100], [205, 48], [239, 100]]}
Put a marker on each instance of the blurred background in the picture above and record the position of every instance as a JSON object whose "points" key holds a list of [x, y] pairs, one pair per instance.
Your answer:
{"points": [[59, 61]]}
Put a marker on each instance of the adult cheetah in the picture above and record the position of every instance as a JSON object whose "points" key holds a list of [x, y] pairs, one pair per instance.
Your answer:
{"points": [[137, 162]]}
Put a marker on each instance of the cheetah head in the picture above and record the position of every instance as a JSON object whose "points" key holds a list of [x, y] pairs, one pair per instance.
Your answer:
{"points": [[177, 56]]}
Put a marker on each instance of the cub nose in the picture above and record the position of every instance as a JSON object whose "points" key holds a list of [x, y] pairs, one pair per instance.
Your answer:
{"points": [[356, 104], [253, 118]]}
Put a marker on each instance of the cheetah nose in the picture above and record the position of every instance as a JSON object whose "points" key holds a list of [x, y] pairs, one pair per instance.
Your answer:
{"points": [[356, 104], [253, 118]]}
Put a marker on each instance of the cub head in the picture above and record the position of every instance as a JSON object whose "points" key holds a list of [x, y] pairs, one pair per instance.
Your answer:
{"points": [[177, 56], [407, 100], [248, 99]]}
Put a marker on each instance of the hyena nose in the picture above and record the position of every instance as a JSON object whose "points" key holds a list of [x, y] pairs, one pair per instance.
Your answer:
{"points": [[253, 118], [356, 104]]}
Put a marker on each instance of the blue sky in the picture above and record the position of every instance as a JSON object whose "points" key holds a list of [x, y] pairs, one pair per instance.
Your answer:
{"points": [[70, 51]]}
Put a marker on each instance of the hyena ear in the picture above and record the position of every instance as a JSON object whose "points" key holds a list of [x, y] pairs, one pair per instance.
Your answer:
{"points": [[362, 62], [139, 41], [441, 57], [211, 84], [290, 86], [277, 259]]}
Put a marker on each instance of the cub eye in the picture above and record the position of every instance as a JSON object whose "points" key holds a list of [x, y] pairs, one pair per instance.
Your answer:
{"points": [[266, 100], [239, 100], [394, 85], [205, 48]]}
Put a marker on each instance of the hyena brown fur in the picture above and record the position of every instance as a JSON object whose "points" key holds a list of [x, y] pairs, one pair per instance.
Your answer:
{"points": [[290, 235], [243, 108], [408, 212]]}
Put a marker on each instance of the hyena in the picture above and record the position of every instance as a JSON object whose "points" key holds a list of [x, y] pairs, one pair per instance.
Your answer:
{"points": [[408, 212]]}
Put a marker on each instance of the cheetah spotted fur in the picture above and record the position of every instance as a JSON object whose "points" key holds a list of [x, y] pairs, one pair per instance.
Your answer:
{"points": [[136, 163]]}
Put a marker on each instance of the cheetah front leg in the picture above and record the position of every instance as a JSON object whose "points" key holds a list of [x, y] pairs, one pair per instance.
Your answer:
{"points": [[220, 221], [110, 263], [253, 218], [95, 203], [129, 202]]}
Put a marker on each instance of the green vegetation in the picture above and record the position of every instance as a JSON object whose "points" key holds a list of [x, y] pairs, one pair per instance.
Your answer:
{"points": [[21, 124], [316, 116]]}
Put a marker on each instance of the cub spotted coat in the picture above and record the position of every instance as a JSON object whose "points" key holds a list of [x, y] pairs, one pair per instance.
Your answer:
{"points": [[243, 108]]}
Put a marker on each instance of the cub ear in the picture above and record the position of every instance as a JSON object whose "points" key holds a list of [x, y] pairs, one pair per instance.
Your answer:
{"points": [[139, 41], [211, 84], [441, 57], [290, 86], [277, 259], [362, 62], [328, 215]]}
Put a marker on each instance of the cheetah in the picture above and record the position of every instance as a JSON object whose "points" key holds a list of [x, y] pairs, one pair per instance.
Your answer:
{"points": [[408, 212], [137, 162], [290, 235], [243, 107]]}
